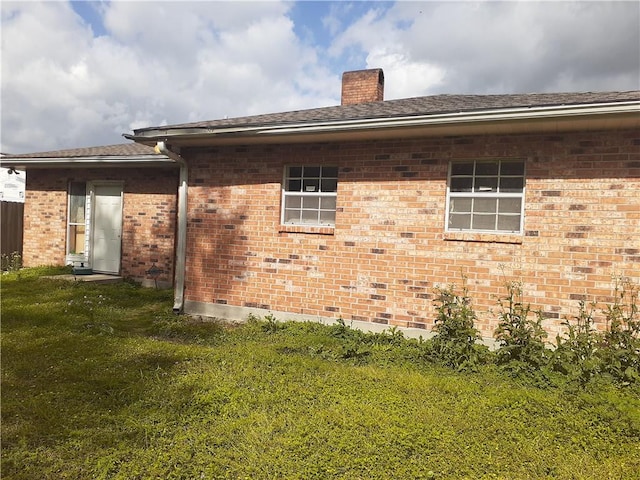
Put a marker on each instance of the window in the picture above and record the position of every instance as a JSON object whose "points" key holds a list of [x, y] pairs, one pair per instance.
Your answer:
{"points": [[486, 196], [76, 218], [309, 195]]}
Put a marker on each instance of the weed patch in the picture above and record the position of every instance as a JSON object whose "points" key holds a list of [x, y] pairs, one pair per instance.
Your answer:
{"points": [[124, 389], [455, 342]]}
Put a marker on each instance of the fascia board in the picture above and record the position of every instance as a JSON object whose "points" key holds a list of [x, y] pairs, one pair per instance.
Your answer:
{"points": [[500, 116], [94, 161], [485, 116]]}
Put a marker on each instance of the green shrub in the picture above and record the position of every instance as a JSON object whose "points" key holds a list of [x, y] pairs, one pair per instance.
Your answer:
{"points": [[521, 339], [620, 344], [583, 353], [455, 341], [11, 262], [270, 324], [576, 353]]}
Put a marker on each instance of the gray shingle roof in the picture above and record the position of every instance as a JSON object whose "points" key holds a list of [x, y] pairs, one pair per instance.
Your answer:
{"points": [[121, 150], [430, 105], [407, 107]]}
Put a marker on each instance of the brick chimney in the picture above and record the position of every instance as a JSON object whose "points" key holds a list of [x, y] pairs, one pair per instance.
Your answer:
{"points": [[362, 86]]}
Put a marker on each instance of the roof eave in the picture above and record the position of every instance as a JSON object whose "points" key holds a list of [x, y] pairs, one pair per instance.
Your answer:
{"points": [[87, 161], [491, 121]]}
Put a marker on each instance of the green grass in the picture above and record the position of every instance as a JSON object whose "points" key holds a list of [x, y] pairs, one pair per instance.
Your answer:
{"points": [[105, 382]]}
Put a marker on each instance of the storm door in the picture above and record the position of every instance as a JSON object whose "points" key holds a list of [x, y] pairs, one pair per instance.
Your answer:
{"points": [[106, 235]]}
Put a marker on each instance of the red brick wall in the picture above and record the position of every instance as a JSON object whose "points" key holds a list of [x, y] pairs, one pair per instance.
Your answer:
{"points": [[362, 86], [389, 250], [149, 214], [45, 214]]}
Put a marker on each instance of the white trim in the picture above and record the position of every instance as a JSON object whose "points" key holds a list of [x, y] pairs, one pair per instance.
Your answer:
{"points": [[94, 161], [474, 195], [495, 115], [319, 194], [451, 118]]}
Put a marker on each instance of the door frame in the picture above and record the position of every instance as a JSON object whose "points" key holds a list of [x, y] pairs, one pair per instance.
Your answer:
{"points": [[91, 189]]}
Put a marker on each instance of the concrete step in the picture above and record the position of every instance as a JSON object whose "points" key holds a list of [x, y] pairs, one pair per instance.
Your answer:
{"points": [[92, 278]]}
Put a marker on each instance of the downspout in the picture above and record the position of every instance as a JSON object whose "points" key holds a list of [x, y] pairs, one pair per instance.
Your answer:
{"points": [[181, 246]]}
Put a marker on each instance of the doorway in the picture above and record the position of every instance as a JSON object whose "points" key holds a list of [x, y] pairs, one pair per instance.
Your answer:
{"points": [[106, 237]]}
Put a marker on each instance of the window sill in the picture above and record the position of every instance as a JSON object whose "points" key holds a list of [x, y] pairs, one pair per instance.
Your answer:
{"points": [[312, 229], [513, 238]]}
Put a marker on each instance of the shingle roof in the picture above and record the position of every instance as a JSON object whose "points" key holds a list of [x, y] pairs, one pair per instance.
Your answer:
{"points": [[430, 105], [407, 107], [120, 150]]}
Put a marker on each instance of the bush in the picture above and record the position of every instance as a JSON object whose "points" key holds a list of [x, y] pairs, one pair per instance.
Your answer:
{"points": [[620, 343], [521, 340], [584, 352], [576, 352], [11, 262], [455, 342]]}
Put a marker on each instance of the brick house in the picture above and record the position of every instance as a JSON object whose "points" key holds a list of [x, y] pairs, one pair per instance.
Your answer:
{"points": [[360, 210], [109, 208]]}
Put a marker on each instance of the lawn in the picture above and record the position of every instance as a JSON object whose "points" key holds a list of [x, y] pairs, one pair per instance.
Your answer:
{"points": [[103, 381]]}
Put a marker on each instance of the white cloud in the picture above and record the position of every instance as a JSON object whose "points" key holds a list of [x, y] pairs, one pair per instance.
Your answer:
{"points": [[161, 62], [66, 85], [503, 47], [404, 77]]}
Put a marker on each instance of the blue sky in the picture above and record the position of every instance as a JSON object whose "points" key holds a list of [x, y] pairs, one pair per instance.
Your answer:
{"points": [[82, 73], [90, 13]]}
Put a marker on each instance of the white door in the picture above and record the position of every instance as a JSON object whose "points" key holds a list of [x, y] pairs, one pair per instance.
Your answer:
{"points": [[106, 238]]}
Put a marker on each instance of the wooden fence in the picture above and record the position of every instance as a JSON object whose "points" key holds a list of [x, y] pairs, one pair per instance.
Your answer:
{"points": [[11, 224]]}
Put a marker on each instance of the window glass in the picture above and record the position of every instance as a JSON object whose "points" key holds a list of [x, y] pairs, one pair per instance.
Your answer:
{"points": [[511, 184], [328, 203], [484, 205], [483, 222], [292, 216], [295, 172], [460, 222], [76, 239], [77, 202], [294, 185], [76, 218], [328, 217], [486, 184], [460, 205], [461, 184], [309, 195], [311, 202], [486, 196], [329, 184], [293, 202], [510, 205], [310, 216], [311, 172], [509, 223], [311, 185]]}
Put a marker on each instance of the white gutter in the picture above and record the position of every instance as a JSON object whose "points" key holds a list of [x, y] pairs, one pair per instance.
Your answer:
{"points": [[94, 161], [456, 118], [497, 115], [181, 246]]}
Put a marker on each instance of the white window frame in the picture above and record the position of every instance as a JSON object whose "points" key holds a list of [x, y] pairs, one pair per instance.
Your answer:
{"points": [[479, 195], [289, 196]]}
